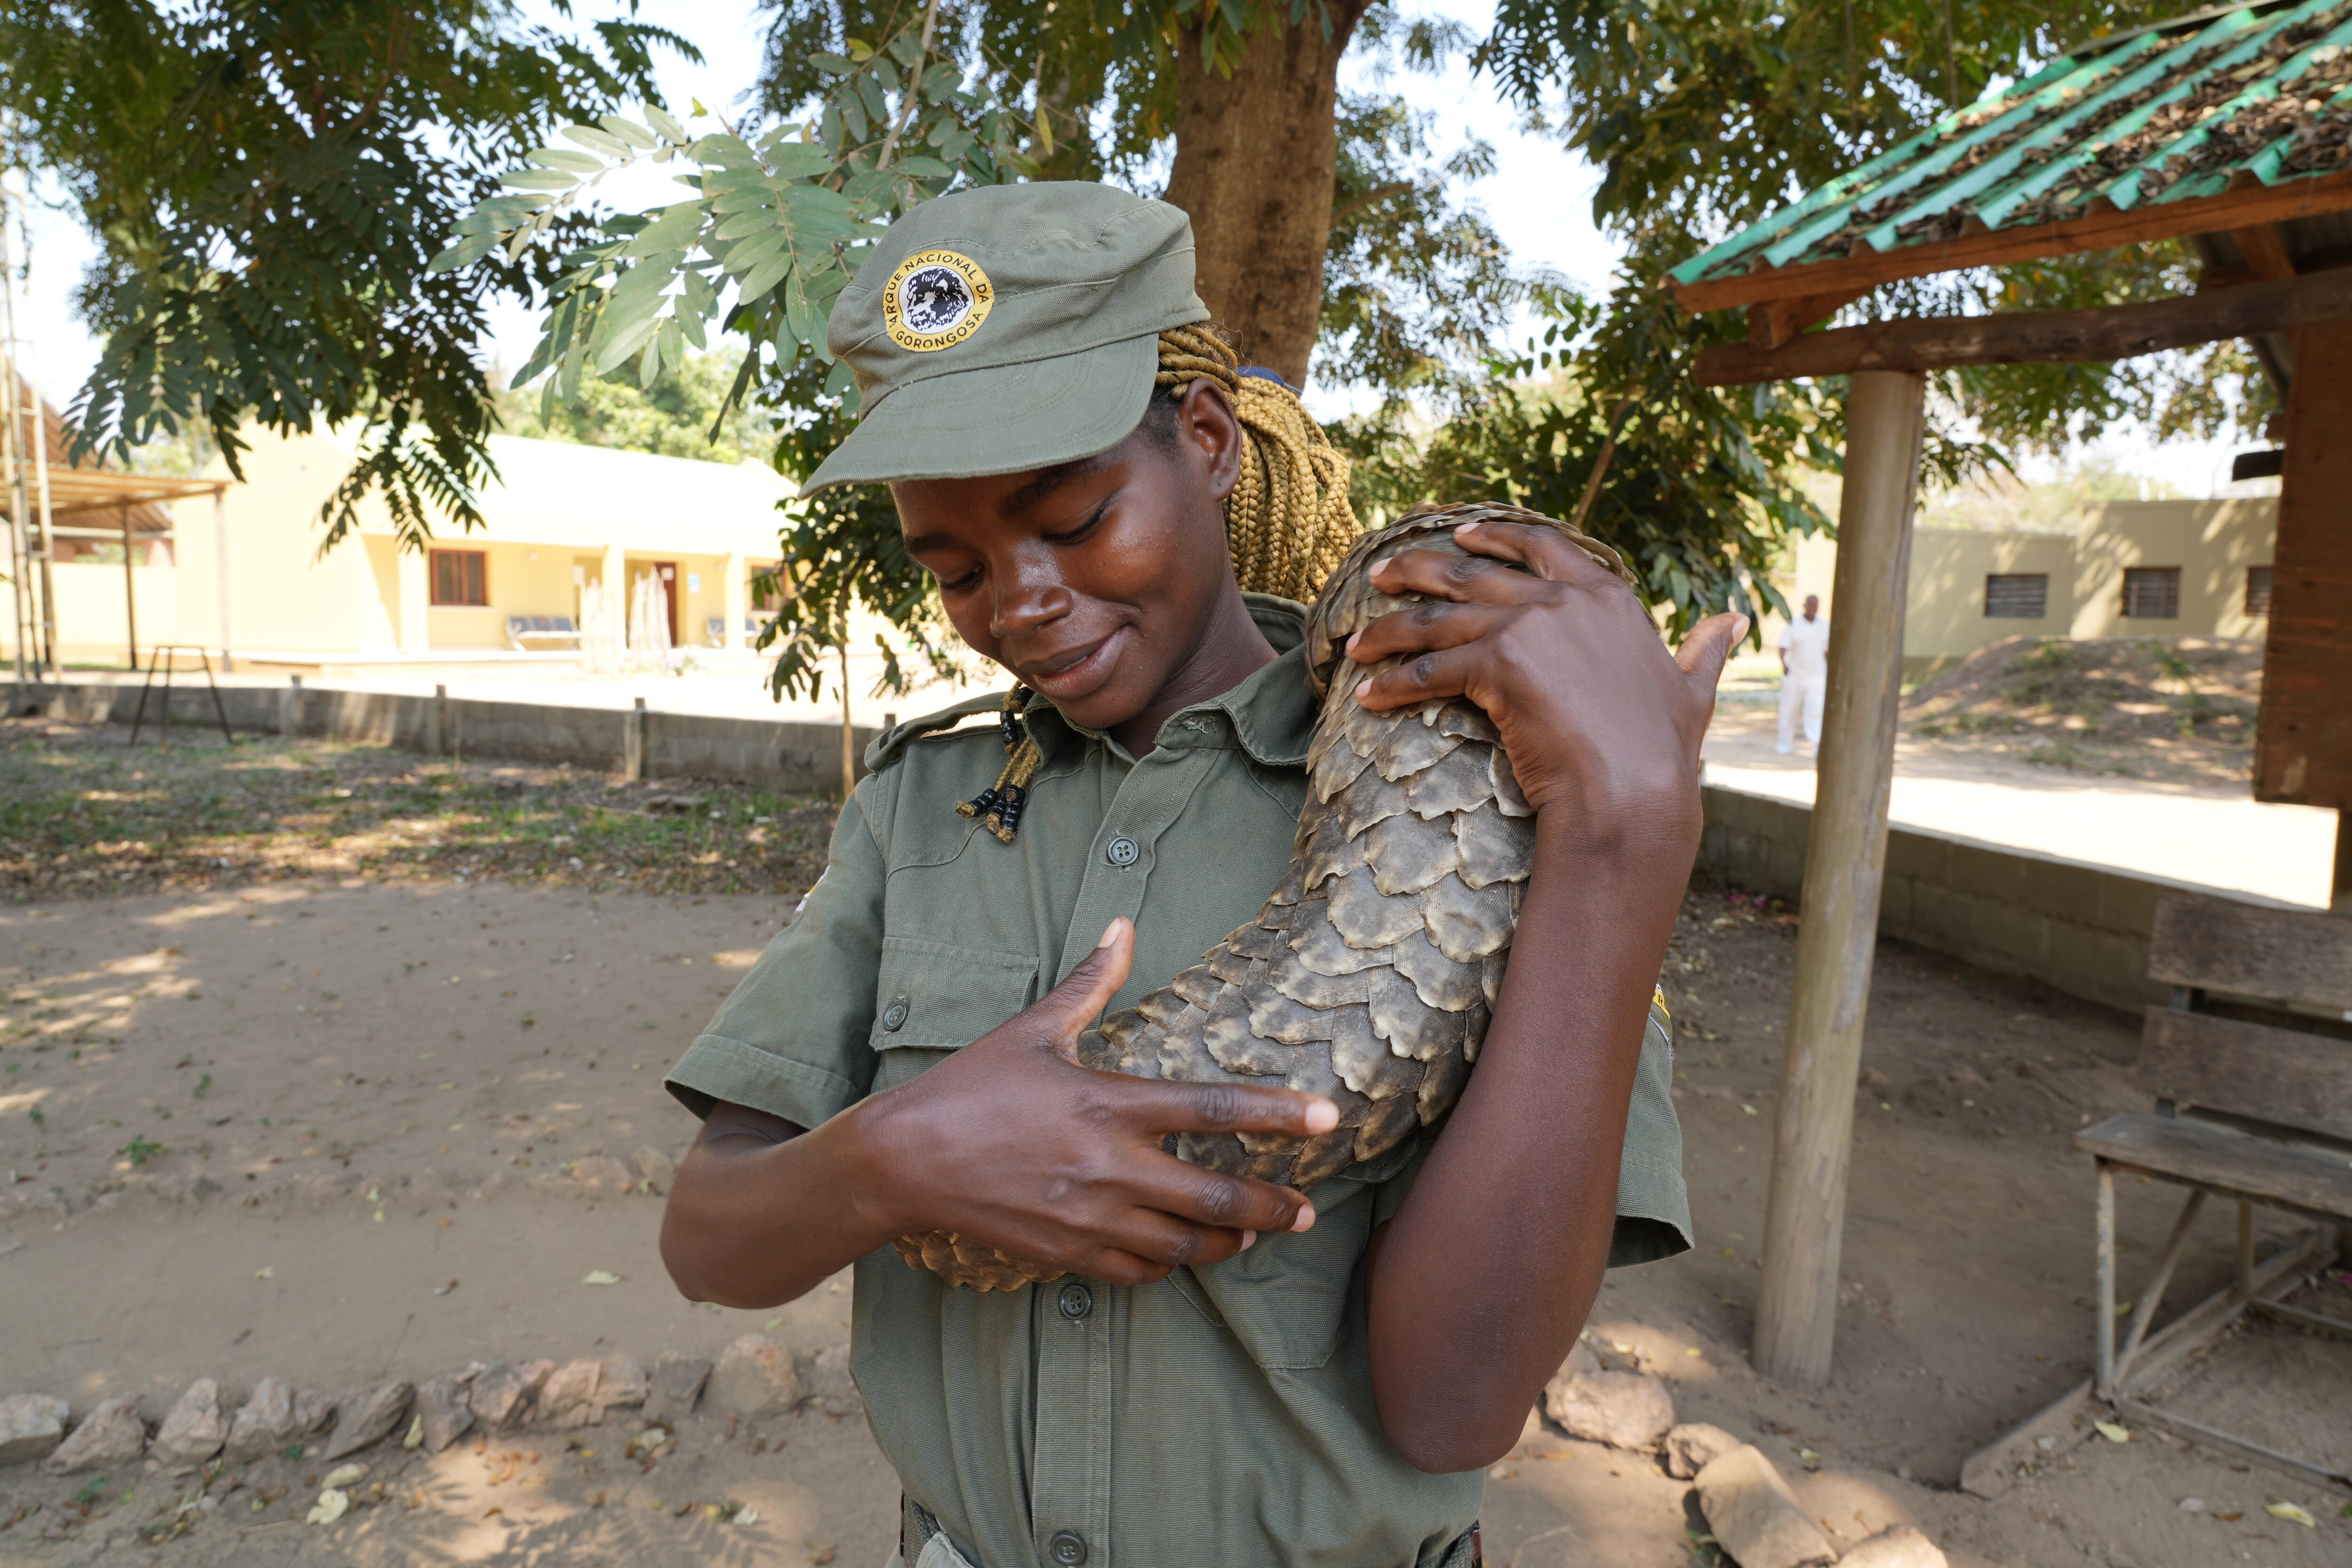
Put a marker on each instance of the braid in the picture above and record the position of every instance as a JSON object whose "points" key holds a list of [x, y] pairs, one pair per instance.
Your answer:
{"points": [[1288, 522]]}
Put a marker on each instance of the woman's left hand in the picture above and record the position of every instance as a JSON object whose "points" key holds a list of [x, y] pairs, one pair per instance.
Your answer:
{"points": [[1594, 712]]}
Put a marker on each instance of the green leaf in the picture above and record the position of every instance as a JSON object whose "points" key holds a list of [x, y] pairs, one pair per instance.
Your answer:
{"points": [[676, 228], [649, 364], [729, 151], [743, 258], [751, 221], [764, 277], [663, 123], [923, 168], [833, 65], [539, 179], [907, 48], [877, 108], [595, 141], [628, 130], [799, 161], [564, 158], [464, 253], [624, 342]]}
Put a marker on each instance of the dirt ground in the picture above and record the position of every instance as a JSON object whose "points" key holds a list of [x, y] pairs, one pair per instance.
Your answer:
{"points": [[336, 1129], [2134, 707]]}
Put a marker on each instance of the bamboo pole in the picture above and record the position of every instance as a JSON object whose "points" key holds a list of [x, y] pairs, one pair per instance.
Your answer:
{"points": [[1845, 862]]}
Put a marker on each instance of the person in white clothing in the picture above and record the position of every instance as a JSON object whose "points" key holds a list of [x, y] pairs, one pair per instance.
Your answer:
{"points": [[1804, 675]]}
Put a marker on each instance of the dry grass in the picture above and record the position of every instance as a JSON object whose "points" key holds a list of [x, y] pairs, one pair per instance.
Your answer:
{"points": [[83, 813]]}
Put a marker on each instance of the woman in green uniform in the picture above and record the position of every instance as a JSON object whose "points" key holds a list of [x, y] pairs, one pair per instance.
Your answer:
{"points": [[1229, 1374]]}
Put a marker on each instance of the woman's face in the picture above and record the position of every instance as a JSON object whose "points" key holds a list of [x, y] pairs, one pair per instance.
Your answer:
{"points": [[1094, 582]]}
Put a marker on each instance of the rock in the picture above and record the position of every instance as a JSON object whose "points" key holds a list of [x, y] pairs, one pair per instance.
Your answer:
{"points": [[1872, 1078], [676, 1383], [368, 1416], [754, 1377], [825, 1382], [30, 1425], [1695, 1444], [624, 1384], [654, 1168], [110, 1434], [195, 1428], [312, 1411], [602, 1174], [1755, 1516], [569, 1397], [1896, 1546], [1622, 1409], [265, 1424], [445, 1405], [503, 1395]]}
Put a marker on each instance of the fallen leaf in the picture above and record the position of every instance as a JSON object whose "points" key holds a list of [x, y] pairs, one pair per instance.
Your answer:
{"points": [[331, 1506], [2112, 1433], [821, 1555], [2232, 1517], [601, 1277], [343, 1476], [265, 1274], [2290, 1511], [747, 1516], [415, 1438]]}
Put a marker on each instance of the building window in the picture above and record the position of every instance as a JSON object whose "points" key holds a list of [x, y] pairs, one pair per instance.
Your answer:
{"points": [[2017, 595], [2258, 590], [2152, 592], [460, 577]]}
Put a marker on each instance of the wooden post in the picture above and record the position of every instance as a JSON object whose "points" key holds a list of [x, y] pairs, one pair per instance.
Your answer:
{"points": [[632, 742], [290, 709], [130, 592], [2303, 739], [1796, 1313], [220, 563], [848, 730]]}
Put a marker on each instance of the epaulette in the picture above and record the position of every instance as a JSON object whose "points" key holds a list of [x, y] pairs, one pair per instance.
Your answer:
{"points": [[891, 743]]}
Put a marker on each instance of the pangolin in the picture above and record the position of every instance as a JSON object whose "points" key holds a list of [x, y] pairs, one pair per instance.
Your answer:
{"points": [[1368, 976]]}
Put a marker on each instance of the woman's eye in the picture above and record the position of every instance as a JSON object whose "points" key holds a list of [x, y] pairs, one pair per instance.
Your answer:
{"points": [[952, 584], [1075, 534]]}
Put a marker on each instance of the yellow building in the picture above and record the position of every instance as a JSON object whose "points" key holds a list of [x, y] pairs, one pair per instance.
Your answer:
{"points": [[559, 519], [2158, 569]]}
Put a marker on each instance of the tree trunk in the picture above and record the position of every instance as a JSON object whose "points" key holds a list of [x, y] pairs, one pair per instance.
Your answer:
{"points": [[1255, 159]]}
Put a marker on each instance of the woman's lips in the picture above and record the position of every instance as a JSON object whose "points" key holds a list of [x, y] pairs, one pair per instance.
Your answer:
{"points": [[1074, 674]]}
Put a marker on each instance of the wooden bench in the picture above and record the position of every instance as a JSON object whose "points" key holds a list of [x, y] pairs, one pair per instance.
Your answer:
{"points": [[2251, 1067], [558, 630]]}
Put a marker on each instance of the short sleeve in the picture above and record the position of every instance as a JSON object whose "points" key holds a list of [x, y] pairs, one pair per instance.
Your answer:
{"points": [[1787, 637], [1652, 1204], [791, 1039]]}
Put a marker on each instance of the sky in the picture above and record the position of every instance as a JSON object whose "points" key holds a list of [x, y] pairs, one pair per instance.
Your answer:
{"points": [[1538, 199]]}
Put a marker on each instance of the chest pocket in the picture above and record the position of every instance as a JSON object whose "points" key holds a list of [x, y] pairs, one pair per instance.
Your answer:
{"points": [[1286, 1298], [930, 997]]}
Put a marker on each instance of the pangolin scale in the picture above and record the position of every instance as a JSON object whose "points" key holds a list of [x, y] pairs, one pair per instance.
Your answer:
{"points": [[1368, 976]]}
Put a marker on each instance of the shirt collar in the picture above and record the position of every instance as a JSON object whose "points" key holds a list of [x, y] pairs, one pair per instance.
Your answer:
{"points": [[1271, 711]]}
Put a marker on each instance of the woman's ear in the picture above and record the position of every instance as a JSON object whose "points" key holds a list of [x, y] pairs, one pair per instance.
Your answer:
{"points": [[1210, 434]]}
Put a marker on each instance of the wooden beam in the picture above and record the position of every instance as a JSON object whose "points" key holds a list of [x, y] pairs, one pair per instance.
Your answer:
{"points": [[1771, 324], [2264, 248], [2302, 737], [2103, 229], [1845, 866], [2039, 337]]}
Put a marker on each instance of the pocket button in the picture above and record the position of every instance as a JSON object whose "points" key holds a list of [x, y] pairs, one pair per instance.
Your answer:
{"points": [[1068, 1548], [1076, 1302], [1122, 850], [895, 1014]]}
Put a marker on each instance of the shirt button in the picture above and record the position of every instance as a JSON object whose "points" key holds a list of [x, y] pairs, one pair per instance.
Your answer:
{"points": [[1076, 1302], [1122, 852], [1068, 1548], [896, 1014]]}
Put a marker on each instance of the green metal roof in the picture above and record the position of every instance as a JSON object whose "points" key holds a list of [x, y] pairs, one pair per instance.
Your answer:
{"points": [[2259, 92]]}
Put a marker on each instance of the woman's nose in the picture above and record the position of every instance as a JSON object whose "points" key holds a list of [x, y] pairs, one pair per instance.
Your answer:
{"points": [[1031, 596]]}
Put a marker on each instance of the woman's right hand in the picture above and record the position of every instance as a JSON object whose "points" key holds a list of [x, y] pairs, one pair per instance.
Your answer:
{"points": [[1009, 1142]]}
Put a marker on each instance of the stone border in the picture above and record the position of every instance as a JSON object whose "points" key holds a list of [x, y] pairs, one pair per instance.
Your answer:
{"points": [[804, 759]]}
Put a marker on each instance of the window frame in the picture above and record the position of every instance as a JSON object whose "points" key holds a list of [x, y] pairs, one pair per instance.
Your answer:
{"points": [[2135, 576], [473, 572], [2042, 578]]}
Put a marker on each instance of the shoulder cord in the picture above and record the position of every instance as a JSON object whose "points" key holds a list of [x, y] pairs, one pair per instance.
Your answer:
{"points": [[1288, 522]]}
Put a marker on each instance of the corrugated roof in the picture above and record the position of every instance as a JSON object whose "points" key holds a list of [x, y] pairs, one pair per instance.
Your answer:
{"points": [[2216, 102]]}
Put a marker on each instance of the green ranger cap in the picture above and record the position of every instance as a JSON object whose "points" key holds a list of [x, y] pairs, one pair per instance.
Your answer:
{"points": [[1007, 328]]}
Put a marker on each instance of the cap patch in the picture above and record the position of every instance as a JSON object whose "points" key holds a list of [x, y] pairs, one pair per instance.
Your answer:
{"points": [[936, 299]]}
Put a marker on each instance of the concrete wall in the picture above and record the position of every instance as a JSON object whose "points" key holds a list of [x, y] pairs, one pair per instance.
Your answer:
{"points": [[801, 758], [2214, 542], [2079, 927], [89, 609]]}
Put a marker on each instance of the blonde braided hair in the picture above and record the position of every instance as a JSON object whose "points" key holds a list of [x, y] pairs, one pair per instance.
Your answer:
{"points": [[1288, 522]]}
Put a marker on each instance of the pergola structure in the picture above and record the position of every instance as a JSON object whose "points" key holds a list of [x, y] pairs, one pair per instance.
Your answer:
{"points": [[2231, 128]]}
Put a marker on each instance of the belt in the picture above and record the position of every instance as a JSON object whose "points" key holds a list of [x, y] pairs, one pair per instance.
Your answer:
{"points": [[923, 1544]]}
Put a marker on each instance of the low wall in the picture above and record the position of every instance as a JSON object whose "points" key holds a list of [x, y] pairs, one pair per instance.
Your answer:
{"points": [[804, 759], [2080, 928]]}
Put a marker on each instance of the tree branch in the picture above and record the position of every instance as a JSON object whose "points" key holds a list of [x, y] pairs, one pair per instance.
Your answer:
{"points": [[1372, 197], [914, 88]]}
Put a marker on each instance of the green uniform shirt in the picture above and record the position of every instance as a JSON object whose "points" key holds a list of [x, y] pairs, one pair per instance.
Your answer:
{"points": [[1224, 1416]]}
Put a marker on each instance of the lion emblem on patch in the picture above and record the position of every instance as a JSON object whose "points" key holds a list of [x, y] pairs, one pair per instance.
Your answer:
{"points": [[936, 299]]}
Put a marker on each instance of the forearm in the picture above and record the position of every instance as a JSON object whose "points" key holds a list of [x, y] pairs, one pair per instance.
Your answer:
{"points": [[1482, 1281], [754, 1222]]}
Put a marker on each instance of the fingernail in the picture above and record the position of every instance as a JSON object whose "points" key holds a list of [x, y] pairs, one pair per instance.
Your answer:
{"points": [[1740, 629], [1306, 1220], [1110, 931], [1364, 690], [1322, 1116], [1353, 638], [1249, 1239]]}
